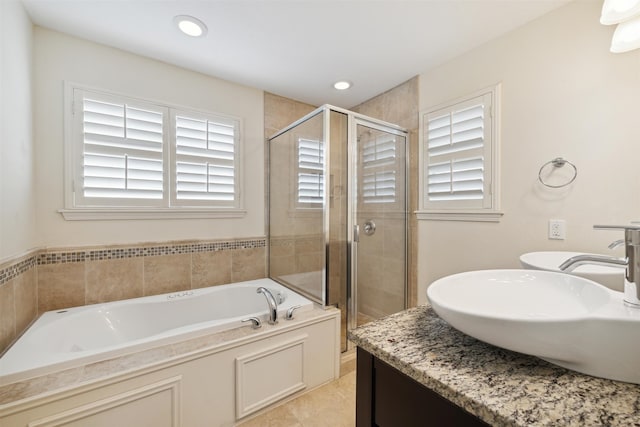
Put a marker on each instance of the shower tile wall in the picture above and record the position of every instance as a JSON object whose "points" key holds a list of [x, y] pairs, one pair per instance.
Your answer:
{"points": [[380, 282], [280, 112], [52, 279], [297, 254]]}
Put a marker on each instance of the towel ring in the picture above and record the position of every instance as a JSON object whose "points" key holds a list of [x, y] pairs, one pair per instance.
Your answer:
{"points": [[558, 162]]}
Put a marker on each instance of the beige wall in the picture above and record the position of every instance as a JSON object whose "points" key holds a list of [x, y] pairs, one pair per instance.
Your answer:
{"points": [[59, 58], [18, 299], [563, 94], [17, 186]]}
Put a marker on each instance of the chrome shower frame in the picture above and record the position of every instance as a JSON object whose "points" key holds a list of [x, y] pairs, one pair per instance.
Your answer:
{"points": [[353, 120]]}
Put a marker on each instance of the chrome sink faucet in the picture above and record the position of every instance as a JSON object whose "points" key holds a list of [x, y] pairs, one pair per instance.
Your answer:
{"points": [[273, 305], [631, 261]]}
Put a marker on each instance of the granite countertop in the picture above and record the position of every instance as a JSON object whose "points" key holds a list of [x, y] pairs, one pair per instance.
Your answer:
{"points": [[499, 386]]}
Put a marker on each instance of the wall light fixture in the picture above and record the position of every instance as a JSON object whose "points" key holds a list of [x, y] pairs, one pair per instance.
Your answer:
{"points": [[626, 14]]}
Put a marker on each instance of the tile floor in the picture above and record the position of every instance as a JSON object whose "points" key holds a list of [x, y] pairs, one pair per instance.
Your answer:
{"points": [[333, 404]]}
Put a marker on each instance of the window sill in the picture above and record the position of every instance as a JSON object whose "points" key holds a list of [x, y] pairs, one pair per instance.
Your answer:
{"points": [[474, 216], [96, 214]]}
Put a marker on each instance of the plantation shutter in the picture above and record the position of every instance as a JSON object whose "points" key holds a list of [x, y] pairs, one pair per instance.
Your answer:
{"points": [[458, 155], [206, 160], [379, 170], [122, 152], [310, 172]]}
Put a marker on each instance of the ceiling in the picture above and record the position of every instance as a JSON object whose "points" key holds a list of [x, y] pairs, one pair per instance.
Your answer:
{"points": [[296, 48]]}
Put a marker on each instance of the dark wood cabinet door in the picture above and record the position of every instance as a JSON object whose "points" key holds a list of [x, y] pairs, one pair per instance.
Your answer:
{"points": [[385, 397]]}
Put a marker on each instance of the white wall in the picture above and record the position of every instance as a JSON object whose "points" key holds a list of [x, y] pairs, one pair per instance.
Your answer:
{"points": [[17, 194], [59, 57], [563, 94]]}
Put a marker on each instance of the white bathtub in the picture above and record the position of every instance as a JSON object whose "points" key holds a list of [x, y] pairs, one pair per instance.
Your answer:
{"points": [[63, 338]]}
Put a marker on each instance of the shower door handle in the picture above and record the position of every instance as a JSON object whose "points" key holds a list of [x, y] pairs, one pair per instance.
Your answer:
{"points": [[369, 227], [356, 233]]}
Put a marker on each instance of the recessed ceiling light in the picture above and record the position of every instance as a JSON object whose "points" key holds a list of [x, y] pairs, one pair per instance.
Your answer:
{"points": [[190, 26], [342, 85]]}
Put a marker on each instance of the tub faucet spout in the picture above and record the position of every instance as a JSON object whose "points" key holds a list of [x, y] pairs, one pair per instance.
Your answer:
{"points": [[273, 305]]}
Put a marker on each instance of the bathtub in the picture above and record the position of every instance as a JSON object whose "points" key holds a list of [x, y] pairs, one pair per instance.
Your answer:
{"points": [[63, 338]]}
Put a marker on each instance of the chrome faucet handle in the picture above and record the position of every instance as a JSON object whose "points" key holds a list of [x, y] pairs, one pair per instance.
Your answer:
{"points": [[255, 322], [631, 234], [289, 315], [616, 243], [617, 227]]}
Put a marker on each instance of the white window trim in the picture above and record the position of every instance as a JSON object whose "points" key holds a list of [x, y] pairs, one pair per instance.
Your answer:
{"points": [[89, 214], [71, 212], [489, 214]]}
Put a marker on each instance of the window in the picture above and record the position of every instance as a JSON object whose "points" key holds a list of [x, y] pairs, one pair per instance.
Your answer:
{"points": [[205, 160], [148, 159], [459, 159], [122, 153], [310, 155]]}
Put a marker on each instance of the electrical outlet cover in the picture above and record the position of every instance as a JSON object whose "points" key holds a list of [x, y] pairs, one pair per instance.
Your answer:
{"points": [[557, 229]]}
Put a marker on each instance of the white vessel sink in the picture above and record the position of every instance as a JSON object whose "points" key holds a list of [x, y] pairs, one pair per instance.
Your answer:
{"points": [[566, 320], [611, 277]]}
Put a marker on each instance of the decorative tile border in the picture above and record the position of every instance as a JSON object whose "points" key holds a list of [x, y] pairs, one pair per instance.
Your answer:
{"points": [[60, 257], [13, 271], [145, 251], [42, 257]]}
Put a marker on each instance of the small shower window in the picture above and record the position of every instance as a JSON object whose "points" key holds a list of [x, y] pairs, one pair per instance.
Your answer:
{"points": [[310, 179]]}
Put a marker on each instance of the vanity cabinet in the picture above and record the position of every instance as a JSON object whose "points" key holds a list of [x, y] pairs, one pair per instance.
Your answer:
{"points": [[385, 397]]}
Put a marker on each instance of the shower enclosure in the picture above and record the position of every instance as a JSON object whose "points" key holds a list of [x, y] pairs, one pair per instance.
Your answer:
{"points": [[338, 213]]}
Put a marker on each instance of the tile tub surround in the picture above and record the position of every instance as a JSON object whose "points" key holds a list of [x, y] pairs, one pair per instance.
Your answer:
{"points": [[501, 387], [18, 297], [51, 279]]}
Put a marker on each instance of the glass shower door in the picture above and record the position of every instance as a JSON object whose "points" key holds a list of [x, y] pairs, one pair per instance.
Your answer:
{"points": [[379, 218]]}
